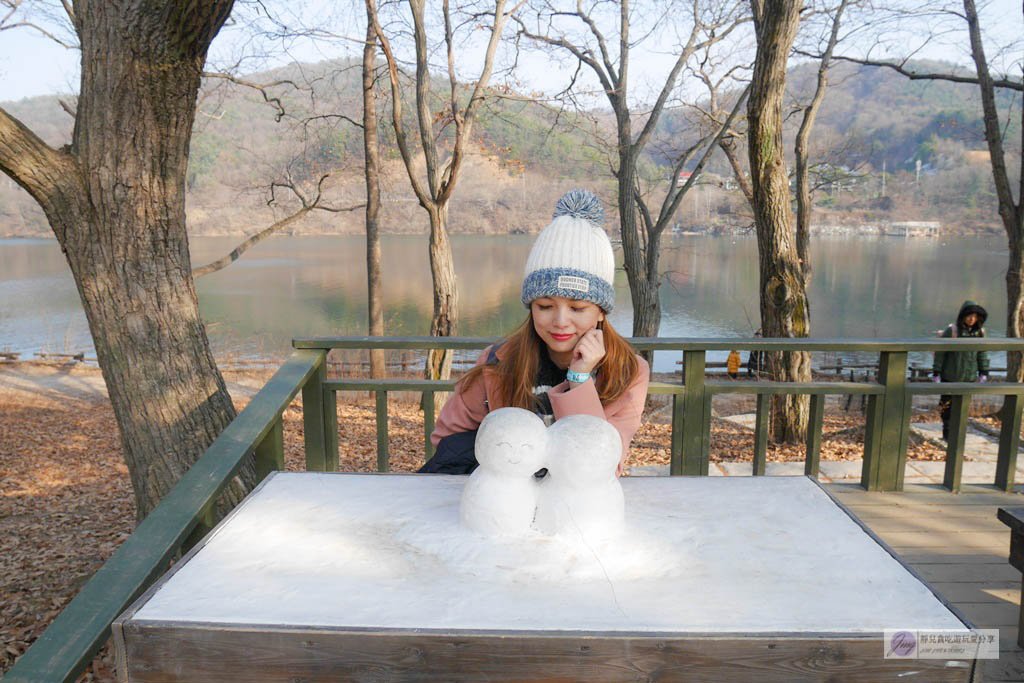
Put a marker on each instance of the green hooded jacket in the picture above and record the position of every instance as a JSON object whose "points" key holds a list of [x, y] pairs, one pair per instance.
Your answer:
{"points": [[963, 366]]}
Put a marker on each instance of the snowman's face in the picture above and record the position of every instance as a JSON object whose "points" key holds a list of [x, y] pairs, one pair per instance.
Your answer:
{"points": [[511, 441]]}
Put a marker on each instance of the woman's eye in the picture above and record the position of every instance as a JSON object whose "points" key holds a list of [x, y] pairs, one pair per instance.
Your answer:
{"points": [[544, 307], [579, 309]]}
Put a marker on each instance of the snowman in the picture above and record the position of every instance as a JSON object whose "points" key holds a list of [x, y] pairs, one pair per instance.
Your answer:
{"points": [[501, 494], [581, 496]]}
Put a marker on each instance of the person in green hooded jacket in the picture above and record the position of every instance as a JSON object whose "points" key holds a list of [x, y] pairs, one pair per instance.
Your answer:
{"points": [[960, 366]]}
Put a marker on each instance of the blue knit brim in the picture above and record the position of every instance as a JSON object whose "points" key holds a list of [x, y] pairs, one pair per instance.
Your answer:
{"points": [[569, 283]]}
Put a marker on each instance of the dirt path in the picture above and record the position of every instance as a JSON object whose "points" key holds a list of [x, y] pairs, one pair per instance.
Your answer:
{"points": [[58, 382]]}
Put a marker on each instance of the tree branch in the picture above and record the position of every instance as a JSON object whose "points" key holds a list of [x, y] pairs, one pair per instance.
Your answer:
{"points": [[899, 67], [396, 106], [307, 207], [30, 162], [585, 57], [262, 88], [464, 120], [673, 204]]}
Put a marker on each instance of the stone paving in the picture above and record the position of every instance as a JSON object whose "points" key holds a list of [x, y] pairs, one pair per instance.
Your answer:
{"points": [[980, 454]]}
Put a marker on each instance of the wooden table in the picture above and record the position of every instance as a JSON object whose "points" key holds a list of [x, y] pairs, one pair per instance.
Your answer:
{"points": [[325, 576]]}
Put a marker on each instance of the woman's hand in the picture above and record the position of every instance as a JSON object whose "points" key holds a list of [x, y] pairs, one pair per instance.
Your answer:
{"points": [[588, 352]]}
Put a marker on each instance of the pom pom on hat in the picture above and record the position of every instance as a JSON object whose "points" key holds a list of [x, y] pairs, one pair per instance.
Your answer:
{"points": [[573, 256], [580, 204]]}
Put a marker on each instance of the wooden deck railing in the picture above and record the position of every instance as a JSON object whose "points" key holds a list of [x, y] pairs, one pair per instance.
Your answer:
{"points": [[887, 426], [79, 631]]}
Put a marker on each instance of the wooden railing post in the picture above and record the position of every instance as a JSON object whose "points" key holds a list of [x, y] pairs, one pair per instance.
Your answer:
{"points": [[885, 437], [961, 404], [812, 457], [761, 434], [268, 456], [382, 431], [313, 420], [1009, 442], [330, 410], [696, 425], [428, 424], [676, 462]]}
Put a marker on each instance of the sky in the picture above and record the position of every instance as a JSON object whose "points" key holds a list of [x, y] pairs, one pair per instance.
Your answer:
{"points": [[32, 65]]}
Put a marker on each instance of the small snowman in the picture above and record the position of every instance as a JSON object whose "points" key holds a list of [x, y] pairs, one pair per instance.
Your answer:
{"points": [[501, 494], [581, 496]]}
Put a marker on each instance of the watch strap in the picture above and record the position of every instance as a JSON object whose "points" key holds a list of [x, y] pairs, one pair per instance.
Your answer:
{"points": [[577, 377]]}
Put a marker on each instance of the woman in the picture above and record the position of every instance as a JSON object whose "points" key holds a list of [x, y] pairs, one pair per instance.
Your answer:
{"points": [[565, 359], [960, 366]]}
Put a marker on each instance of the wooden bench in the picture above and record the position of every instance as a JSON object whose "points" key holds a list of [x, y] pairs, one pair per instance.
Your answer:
{"points": [[1014, 518]]}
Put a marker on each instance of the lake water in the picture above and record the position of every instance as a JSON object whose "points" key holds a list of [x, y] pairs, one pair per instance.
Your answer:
{"points": [[289, 287]]}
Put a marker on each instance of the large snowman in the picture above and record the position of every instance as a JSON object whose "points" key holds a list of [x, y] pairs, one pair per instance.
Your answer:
{"points": [[581, 496], [501, 494]]}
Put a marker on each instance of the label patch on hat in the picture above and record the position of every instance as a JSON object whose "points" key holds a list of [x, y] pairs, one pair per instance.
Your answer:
{"points": [[579, 284]]}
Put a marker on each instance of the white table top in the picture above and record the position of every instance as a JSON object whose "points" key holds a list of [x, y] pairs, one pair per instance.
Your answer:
{"points": [[700, 555]]}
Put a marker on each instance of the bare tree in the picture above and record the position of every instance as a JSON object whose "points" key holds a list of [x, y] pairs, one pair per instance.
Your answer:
{"points": [[721, 82], [1009, 207], [784, 305], [656, 224], [441, 177], [1010, 210], [115, 199], [371, 154], [579, 32], [803, 136]]}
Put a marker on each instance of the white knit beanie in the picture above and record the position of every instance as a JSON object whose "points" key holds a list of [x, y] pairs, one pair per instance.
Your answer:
{"points": [[572, 257]]}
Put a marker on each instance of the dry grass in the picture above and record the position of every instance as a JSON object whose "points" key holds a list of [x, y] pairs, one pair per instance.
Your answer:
{"points": [[66, 502]]}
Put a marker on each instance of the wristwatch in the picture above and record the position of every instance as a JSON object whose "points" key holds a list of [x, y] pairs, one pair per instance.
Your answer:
{"points": [[577, 377]]}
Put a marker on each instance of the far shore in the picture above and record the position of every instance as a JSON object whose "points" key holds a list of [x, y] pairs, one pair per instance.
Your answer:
{"points": [[866, 230]]}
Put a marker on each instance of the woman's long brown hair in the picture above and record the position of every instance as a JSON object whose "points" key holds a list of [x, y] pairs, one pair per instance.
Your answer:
{"points": [[517, 371]]}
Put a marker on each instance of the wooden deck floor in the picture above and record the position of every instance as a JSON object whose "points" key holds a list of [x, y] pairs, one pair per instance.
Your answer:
{"points": [[956, 543]]}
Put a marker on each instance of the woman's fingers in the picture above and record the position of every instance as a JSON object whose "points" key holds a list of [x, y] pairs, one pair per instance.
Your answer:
{"points": [[588, 352]]}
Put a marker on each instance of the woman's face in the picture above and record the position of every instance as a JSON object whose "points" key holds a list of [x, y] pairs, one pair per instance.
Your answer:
{"points": [[970, 319], [561, 322]]}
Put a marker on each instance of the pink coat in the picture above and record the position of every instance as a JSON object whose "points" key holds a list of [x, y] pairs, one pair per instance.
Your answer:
{"points": [[466, 409]]}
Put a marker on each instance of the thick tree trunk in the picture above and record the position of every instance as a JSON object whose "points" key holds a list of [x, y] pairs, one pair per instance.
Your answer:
{"points": [[116, 202], [784, 304], [375, 308], [131, 260], [446, 298]]}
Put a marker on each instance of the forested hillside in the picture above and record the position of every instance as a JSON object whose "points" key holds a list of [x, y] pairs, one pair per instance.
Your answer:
{"points": [[527, 154]]}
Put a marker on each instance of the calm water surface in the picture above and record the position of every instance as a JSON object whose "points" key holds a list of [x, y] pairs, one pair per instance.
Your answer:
{"points": [[312, 286]]}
